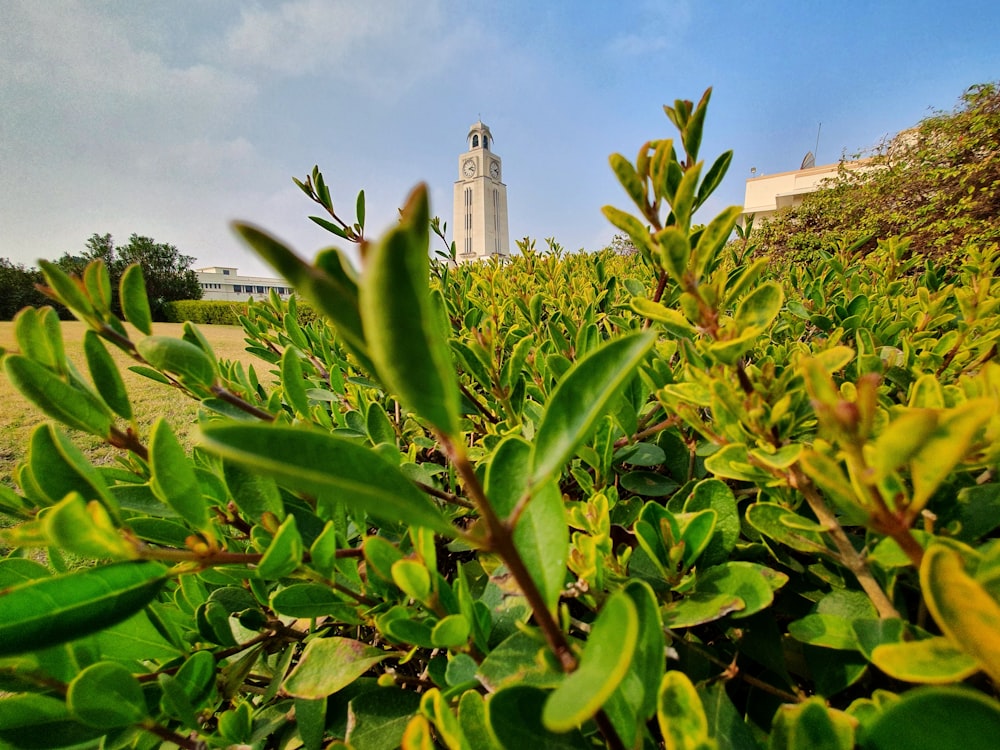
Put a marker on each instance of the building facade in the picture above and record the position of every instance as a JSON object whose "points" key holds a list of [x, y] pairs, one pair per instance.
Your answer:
{"points": [[767, 194], [225, 283], [480, 208]]}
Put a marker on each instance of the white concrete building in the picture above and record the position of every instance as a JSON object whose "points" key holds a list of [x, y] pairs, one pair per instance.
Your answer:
{"points": [[767, 194], [480, 208], [224, 283]]}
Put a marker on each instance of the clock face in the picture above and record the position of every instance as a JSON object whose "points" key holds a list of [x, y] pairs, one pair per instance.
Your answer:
{"points": [[495, 170], [469, 167]]}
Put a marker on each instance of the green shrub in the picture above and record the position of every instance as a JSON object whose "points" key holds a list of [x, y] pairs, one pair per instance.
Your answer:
{"points": [[653, 500], [221, 312], [938, 183]]}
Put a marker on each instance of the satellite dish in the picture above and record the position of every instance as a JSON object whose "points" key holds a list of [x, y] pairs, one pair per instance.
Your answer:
{"points": [[808, 161]]}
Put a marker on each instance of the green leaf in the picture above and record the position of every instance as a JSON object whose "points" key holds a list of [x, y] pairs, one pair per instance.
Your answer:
{"points": [[135, 641], [97, 282], [828, 631], [39, 335], [359, 209], [715, 494], [931, 661], [696, 532], [760, 307], [254, 494], [191, 688], [376, 720], [413, 578], [29, 721], [186, 360], [292, 383], [310, 718], [581, 398], [135, 303], [284, 554], [725, 724], [683, 200], [962, 608], [713, 238], [541, 535], [811, 725], [323, 552], [475, 725], [56, 398], [603, 665], [675, 251], [311, 600], [629, 179], [451, 632], [318, 463], [900, 440], [49, 611], [174, 479], [671, 320], [734, 588], [329, 664], [946, 447], [85, 529], [784, 526], [106, 695], [648, 483], [647, 664], [516, 718], [713, 178], [105, 375], [935, 718], [69, 290], [518, 660], [680, 714], [405, 337], [59, 467]]}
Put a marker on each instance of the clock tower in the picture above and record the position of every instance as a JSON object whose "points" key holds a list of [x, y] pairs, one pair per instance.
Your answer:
{"points": [[480, 217]]}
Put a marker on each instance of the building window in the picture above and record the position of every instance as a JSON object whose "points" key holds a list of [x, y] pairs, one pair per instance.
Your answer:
{"points": [[468, 221], [237, 288], [486, 142], [496, 220], [225, 271], [260, 290]]}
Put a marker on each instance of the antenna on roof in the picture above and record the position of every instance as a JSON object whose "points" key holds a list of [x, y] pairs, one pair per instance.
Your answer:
{"points": [[808, 161], [818, 130]]}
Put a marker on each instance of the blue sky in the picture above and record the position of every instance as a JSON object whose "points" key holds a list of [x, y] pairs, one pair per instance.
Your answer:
{"points": [[170, 119]]}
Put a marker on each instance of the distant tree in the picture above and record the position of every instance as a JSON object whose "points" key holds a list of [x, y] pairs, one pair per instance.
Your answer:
{"points": [[167, 271], [622, 245], [17, 288]]}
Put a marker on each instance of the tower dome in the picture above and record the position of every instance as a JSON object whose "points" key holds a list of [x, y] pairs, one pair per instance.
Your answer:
{"points": [[479, 136]]}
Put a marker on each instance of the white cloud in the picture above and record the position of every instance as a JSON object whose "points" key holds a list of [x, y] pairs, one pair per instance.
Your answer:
{"points": [[381, 46], [659, 26]]}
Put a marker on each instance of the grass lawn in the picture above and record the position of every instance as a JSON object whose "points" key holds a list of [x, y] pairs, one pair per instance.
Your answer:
{"points": [[149, 399]]}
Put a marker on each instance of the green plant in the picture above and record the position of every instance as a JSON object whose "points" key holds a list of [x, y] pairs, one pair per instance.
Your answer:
{"points": [[936, 182], [652, 500]]}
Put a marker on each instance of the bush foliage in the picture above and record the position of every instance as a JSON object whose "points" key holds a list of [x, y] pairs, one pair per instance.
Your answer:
{"points": [[220, 312], [664, 499], [938, 183]]}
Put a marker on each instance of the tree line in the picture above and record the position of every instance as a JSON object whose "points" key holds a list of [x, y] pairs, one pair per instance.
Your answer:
{"points": [[167, 273]]}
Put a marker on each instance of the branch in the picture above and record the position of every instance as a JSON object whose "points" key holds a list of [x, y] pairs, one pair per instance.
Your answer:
{"points": [[849, 557]]}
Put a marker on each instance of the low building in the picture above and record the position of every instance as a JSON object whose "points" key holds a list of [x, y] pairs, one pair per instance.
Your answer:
{"points": [[767, 194], [224, 283]]}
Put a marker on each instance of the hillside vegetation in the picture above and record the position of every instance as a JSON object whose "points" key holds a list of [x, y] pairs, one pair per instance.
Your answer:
{"points": [[683, 498], [937, 183]]}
